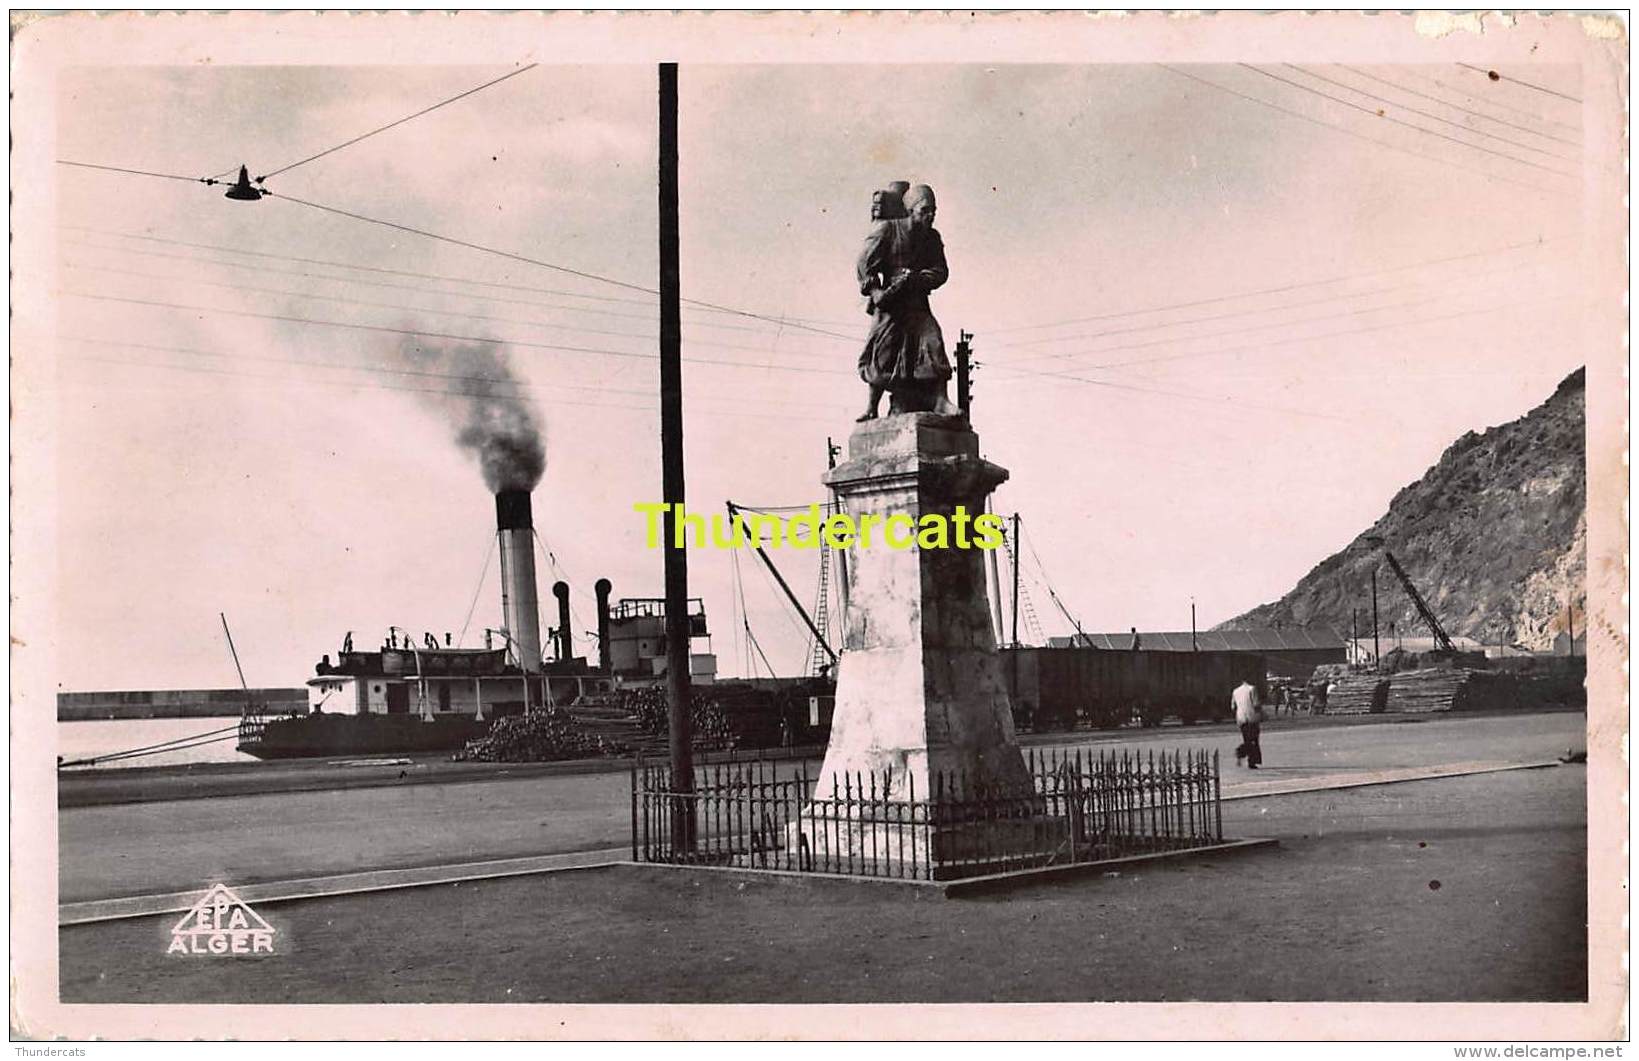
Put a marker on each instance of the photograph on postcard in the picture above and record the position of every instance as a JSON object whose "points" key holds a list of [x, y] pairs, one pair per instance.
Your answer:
{"points": [[511, 524]]}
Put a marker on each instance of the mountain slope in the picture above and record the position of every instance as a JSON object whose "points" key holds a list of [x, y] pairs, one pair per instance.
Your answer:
{"points": [[1494, 536]]}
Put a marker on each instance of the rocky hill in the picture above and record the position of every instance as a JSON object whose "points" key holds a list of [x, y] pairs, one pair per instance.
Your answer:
{"points": [[1494, 536]]}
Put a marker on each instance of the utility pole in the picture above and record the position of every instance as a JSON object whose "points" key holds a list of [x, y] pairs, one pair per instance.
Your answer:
{"points": [[1193, 647], [678, 642], [1377, 652], [964, 373], [994, 585], [1015, 580], [1354, 633], [1570, 629], [831, 451]]}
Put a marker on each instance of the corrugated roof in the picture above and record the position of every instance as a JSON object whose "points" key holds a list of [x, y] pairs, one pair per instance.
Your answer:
{"points": [[1285, 639]]}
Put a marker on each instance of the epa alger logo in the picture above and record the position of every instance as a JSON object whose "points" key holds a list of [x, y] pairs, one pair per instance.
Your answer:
{"points": [[221, 923]]}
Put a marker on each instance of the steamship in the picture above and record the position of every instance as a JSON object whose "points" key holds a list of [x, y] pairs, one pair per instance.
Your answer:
{"points": [[431, 696]]}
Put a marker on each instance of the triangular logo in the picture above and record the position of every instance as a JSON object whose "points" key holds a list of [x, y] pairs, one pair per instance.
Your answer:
{"points": [[221, 923]]}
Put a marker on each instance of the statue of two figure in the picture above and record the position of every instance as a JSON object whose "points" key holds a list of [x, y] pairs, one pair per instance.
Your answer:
{"points": [[903, 260]]}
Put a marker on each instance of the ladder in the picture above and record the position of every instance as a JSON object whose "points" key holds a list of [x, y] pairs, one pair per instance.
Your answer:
{"points": [[819, 658]]}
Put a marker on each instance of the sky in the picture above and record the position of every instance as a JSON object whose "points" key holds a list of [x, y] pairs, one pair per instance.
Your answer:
{"points": [[1223, 313]]}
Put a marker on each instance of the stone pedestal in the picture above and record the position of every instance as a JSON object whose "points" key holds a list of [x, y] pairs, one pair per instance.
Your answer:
{"points": [[919, 688]]}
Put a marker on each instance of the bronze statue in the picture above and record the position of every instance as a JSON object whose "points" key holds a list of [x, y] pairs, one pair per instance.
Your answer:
{"points": [[903, 260]]}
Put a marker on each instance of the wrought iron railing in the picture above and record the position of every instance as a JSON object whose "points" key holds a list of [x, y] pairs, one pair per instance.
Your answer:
{"points": [[1080, 806]]}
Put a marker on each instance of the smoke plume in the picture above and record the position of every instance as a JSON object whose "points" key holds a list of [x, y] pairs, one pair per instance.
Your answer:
{"points": [[487, 406]]}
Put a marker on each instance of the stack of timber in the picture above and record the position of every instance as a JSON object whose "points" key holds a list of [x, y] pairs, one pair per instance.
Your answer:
{"points": [[1430, 689], [1358, 695]]}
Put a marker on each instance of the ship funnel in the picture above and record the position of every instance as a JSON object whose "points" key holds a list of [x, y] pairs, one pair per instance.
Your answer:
{"points": [[520, 608], [560, 590], [602, 587]]}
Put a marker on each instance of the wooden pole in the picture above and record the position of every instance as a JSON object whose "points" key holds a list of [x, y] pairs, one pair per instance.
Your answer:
{"points": [[1015, 580], [1377, 649], [678, 640]]}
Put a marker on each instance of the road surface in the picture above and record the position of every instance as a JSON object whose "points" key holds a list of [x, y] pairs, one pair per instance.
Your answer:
{"points": [[145, 848]]}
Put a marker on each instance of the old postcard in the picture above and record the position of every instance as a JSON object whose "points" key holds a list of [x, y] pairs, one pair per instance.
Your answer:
{"points": [[754, 525]]}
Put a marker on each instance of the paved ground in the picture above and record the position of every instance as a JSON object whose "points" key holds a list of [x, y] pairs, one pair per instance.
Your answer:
{"points": [[1460, 889], [129, 849]]}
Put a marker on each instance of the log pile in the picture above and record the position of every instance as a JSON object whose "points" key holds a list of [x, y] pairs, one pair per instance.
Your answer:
{"points": [[1429, 689], [1358, 695], [541, 736]]}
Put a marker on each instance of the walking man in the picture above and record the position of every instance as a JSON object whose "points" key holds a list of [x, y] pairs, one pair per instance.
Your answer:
{"points": [[1249, 716]]}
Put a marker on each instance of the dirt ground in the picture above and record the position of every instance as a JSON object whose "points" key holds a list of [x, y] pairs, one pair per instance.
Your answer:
{"points": [[1472, 889]]}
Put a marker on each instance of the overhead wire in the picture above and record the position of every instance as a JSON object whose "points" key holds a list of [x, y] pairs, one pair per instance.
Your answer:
{"points": [[1139, 329], [1294, 286], [362, 385], [138, 172], [1282, 342], [553, 325], [783, 322], [1398, 121], [1362, 136], [1013, 363], [1460, 108], [395, 124], [426, 334], [1489, 102], [459, 377], [1493, 75], [1425, 114], [758, 329]]}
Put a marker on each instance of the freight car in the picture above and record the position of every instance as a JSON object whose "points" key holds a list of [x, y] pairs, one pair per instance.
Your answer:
{"points": [[1063, 688]]}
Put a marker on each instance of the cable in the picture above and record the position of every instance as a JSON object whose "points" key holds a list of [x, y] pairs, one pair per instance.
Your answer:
{"points": [[428, 309], [1397, 121], [422, 276], [1494, 76], [1425, 114], [150, 749], [549, 265], [1278, 342], [489, 554], [1210, 399], [1361, 136], [441, 292], [1456, 107], [357, 385], [457, 377], [422, 334], [1498, 104], [1009, 362], [1277, 290], [1047, 583], [350, 384], [391, 125], [138, 172], [1241, 330]]}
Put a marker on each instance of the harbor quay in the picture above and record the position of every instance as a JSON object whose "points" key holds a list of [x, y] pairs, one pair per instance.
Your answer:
{"points": [[1468, 887], [139, 842]]}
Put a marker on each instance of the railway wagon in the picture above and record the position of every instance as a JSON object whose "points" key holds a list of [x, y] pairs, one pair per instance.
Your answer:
{"points": [[1063, 688]]}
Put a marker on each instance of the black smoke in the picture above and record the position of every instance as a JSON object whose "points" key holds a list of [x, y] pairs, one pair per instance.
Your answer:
{"points": [[472, 384]]}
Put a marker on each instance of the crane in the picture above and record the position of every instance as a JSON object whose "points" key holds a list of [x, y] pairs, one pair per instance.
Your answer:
{"points": [[1441, 638]]}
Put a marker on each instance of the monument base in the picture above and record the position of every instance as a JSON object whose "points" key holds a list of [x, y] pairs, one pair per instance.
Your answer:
{"points": [[909, 841]]}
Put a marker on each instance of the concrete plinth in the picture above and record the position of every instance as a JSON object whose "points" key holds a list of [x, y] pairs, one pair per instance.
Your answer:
{"points": [[919, 689]]}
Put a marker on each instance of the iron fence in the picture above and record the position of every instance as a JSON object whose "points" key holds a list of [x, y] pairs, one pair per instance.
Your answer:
{"points": [[1080, 806]]}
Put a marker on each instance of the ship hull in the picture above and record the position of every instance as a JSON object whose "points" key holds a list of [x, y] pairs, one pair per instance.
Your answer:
{"points": [[323, 735]]}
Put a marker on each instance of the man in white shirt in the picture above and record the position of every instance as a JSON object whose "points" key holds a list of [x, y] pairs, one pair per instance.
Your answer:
{"points": [[1248, 715]]}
